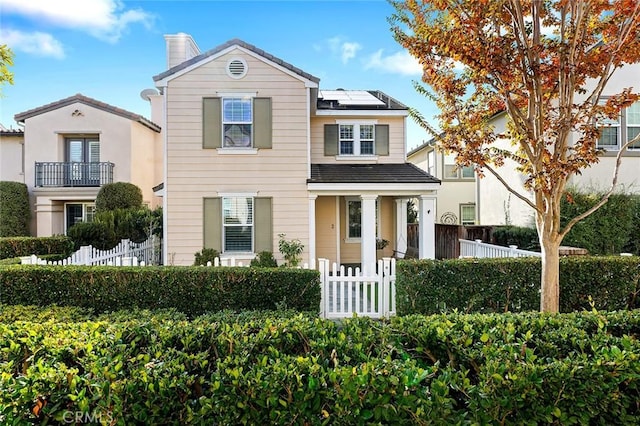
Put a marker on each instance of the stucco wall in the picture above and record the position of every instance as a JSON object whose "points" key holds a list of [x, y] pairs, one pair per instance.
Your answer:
{"points": [[11, 158]]}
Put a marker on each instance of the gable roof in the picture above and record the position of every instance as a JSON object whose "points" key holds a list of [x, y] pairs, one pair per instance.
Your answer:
{"points": [[235, 42], [369, 173], [20, 117]]}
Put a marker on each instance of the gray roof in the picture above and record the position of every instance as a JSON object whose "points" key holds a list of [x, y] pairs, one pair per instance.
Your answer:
{"points": [[10, 132], [20, 117], [235, 42], [369, 173]]}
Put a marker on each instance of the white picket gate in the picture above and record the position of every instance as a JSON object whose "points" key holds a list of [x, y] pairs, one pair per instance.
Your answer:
{"points": [[368, 292]]}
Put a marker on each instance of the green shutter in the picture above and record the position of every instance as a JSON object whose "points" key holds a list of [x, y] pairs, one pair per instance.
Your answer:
{"points": [[382, 139], [262, 123], [212, 223], [263, 223], [330, 139], [211, 123]]}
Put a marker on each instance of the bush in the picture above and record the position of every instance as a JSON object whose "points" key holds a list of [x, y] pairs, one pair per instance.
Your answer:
{"points": [[524, 238], [291, 250], [97, 234], [446, 369], [205, 256], [26, 246], [191, 290], [127, 224], [513, 284], [264, 259], [633, 244], [15, 212], [118, 195], [607, 230]]}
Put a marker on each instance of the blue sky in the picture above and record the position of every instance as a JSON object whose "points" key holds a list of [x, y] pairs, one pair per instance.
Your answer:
{"points": [[111, 49]]}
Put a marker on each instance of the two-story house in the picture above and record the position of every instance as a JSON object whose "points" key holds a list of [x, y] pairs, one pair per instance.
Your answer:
{"points": [[255, 149], [71, 148]]}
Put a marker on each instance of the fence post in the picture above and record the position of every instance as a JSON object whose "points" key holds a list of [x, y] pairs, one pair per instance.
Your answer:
{"points": [[512, 251], [386, 288], [323, 267], [477, 248], [84, 255]]}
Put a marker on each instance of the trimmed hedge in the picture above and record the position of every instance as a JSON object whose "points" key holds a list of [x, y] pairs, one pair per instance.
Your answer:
{"points": [[26, 246], [446, 369], [193, 290], [14, 209], [513, 284], [118, 195]]}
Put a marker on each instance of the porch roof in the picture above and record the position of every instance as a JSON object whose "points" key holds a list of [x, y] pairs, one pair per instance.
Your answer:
{"points": [[369, 173]]}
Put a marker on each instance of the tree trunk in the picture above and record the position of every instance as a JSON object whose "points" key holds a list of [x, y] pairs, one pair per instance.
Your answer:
{"points": [[550, 277]]}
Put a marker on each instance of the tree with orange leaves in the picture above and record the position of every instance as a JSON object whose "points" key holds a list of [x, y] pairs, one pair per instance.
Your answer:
{"points": [[542, 63]]}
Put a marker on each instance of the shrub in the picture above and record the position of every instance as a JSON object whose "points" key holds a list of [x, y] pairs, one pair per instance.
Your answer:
{"points": [[127, 224], [513, 284], [264, 259], [14, 209], [191, 290], [118, 195], [205, 256], [524, 238], [291, 250], [26, 246], [445, 369], [97, 234], [633, 244]]}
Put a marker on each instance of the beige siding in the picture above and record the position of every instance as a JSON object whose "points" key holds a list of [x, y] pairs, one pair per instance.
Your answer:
{"points": [[194, 173], [396, 138]]}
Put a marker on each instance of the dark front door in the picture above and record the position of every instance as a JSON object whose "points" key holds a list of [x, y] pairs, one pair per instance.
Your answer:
{"points": [[83, 159]]}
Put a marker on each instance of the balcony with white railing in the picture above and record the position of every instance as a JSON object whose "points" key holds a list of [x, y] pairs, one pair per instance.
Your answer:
{"points": [[72, 174]]}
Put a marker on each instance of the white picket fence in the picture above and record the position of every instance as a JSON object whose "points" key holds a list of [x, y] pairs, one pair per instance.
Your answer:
{"points": [[368, 292], [127, 253], [479, 249]]}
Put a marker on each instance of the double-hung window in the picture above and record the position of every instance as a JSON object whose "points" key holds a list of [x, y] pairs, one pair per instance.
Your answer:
{"points": [[237, 215], [453, 171], [237, 121], [357, 139], [617, 131], [467, 214], [78, 212]]}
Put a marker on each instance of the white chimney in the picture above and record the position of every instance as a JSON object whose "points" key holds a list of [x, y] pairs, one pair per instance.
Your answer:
{"points": [[180, 48]]}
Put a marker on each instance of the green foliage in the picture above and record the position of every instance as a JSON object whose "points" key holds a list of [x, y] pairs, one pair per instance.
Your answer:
{"points": [[118, 195], [291, 250], [191, 290], [513, 284], [97, 234], [264, 259], [523, 237], [26, 246], [127, 224], [604, 232], [205, 256], [160, 368], [6, 60], [14, 209], [633, 244]]}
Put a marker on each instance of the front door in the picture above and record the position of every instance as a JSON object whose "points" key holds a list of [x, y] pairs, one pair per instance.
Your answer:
{"points": [[83, 158]]}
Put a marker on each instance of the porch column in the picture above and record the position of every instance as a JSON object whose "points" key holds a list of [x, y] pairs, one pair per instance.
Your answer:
{"points": [[427, 227], [368, 231], [312, 230], [401, 227]]}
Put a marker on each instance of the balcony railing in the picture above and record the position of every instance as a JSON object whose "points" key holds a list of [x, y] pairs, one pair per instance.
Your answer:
{"points": [[73, 174]]}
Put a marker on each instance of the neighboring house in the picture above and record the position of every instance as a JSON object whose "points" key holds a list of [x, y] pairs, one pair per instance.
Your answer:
{"points": [[74, 146], [496, 206], [457, 197], [11, 154], [254, 149]]}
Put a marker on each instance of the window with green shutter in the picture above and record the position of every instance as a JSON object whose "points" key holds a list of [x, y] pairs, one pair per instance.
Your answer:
{"points": [[237, 122], [356, 139]]}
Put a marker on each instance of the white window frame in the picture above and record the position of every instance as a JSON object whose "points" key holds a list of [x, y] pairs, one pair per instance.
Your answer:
{"points": [[462, 207], [227, 97], [622, 126], [357, 139], [250, 215], [459, 170], [432, 168], [88, 211], [349, 239]]}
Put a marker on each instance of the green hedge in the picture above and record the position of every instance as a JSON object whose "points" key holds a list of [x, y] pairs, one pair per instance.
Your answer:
{"points": [[193, 290], [513, 284], [14, 209], [26, 246], [415, 370]]}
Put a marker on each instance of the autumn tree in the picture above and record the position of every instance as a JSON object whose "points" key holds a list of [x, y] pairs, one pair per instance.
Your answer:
{"points": [[6, 60], [545, 65]]}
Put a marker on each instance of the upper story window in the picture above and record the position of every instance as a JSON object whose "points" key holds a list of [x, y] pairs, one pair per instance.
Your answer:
{"points": [[431, 163], [453, 171], [616, 132], [237, 120], [349, 138]]}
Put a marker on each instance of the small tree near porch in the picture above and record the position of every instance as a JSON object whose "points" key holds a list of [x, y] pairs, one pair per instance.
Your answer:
{"points": [[545, 64]]}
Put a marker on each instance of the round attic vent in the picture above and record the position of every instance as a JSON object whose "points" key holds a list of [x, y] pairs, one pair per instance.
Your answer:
{"points": [[236, 68]]}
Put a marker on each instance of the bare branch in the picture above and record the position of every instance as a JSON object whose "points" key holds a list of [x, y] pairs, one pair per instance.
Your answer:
{"points": [[510, 189]]}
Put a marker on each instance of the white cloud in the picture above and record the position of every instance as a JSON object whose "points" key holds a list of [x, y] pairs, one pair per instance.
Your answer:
{"points": [[103, 19], [347, 50], [398, 63], [36, 43]]}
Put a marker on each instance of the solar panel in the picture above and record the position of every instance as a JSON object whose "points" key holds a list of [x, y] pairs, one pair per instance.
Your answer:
{"points": [[350, 97]]}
